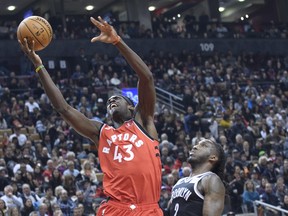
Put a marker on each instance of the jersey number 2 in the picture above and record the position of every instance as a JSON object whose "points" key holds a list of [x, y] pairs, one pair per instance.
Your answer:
{"points": [[118, 156], [176, 209]]}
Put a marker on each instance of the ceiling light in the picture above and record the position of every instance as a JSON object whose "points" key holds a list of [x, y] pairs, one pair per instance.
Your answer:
{"points": [[242, 18], [221, 9], [247, 16], [151, 8], [11, 8], [178, 15], [241, 0], [89, 7]]}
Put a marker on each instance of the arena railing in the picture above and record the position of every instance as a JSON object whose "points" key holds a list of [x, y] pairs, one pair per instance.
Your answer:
{"points": [[264, 208], [172, 101]]}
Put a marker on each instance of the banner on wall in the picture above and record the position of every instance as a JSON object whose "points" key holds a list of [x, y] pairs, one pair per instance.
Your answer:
{"points": [[132, 93]]}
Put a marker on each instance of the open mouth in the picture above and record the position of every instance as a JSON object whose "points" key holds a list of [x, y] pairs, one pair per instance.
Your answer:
{"points": [[113, 105]]}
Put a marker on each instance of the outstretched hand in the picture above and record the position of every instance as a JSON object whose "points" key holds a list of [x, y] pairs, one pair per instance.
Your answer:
{"points": [[28, 49], [108, 33]]}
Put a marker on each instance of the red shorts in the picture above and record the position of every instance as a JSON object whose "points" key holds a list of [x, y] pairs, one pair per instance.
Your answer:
{"points": [[112, 208]]}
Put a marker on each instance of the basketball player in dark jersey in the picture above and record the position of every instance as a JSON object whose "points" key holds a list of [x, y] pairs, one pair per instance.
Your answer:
{"points": [[128, 150], [203, 192]]}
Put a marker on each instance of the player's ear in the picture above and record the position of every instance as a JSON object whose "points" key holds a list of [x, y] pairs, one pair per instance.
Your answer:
{"points": [[131, 108], [213, 158]]}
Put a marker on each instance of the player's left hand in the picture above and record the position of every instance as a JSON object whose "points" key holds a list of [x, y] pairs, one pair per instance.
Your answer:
{"points": [[108, 33], [30, 53]]}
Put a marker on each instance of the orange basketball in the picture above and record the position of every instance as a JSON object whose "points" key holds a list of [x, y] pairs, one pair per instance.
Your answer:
{"points": [[35, 28]]}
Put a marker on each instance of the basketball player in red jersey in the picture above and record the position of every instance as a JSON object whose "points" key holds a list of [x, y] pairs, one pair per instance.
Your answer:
{"points": [[128, 150]]}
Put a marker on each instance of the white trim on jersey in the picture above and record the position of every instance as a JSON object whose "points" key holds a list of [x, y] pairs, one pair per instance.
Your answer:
{"points": [[200, 176]]}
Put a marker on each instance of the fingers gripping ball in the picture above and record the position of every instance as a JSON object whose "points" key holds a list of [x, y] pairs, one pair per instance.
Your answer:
{"points": [[35, 28]]}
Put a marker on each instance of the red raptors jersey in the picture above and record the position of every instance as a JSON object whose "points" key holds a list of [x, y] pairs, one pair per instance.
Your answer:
{"points": [[130, 161]]}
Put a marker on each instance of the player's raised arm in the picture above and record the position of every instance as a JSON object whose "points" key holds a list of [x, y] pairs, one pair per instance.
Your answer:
{"points": [[76, 119], [146, 90]]}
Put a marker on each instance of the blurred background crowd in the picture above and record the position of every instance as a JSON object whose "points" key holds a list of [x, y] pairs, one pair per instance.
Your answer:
{"points": [[77, 27]]}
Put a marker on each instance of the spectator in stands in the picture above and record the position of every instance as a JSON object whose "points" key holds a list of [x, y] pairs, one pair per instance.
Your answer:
{"points": [[22, 138], [43, 209], [72, 157], [77, 212], [166, 144], [3, 123], [49, 199], [46, 162], [29, 179], [169, 181], [261, 165], [78, 73], [221, 31], [254, 178], [186, 171], [236, 187], [165, 197], [270, 173], [58, 212], [285, 203], [69, 184], [31, 104], [40, 126], [238, 127], [15, 108], [261, 188], [66, 204], [71, 170], [280, 189], [88, 172], [55, 179], [4, 209], [28, 194], [225, 122], [269, 197], [10, 199], [86, 194], [284, 171], [249, 195], [58, 190], [192, 122], [166, 160], [28, 207], [4, 178], [15, 211]]}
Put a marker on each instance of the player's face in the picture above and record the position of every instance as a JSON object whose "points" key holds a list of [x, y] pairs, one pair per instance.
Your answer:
{"points": [[200, 152], [117, 105]]}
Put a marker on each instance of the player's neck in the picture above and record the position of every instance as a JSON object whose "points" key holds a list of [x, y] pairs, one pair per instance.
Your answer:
{"points": [[199, 169], [117, 124], [118, 120]]}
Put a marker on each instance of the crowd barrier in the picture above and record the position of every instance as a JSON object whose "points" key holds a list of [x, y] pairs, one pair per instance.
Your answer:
{"points": [[262, 209]]}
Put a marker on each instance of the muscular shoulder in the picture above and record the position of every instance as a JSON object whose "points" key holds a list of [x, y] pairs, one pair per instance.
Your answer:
{"points": [[147, 124], [212, 183], [96, 123]]}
